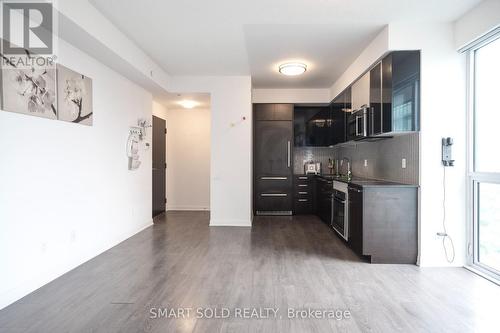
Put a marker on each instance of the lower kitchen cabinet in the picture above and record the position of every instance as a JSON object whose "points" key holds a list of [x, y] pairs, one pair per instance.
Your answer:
{"points": [[355, 239], [303, 191], [324, 193], [383, 223]]}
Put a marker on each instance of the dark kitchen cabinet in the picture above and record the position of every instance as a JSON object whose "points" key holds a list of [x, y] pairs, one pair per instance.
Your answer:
{"points": [[272, 147], [341, 107], [376, 99], [303, 190], [355, 238], [395, 93], [273, 161], [273, 112], [313, 126], [383, 223], [324, 197]]}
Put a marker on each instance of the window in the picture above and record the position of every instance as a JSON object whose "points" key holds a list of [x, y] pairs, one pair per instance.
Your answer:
{"points": [[488, 219], [487, 107], [484, 155]]}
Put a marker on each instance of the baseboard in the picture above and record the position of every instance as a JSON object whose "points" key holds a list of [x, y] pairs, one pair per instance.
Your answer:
{"points": [[230, 223], [28, 286]]}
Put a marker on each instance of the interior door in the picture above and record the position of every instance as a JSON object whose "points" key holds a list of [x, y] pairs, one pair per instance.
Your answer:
{"points": [[159, 166]]}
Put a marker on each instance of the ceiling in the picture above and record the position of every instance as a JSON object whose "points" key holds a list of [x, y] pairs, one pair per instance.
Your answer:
{"points": [[171, 100], [242, 37]]}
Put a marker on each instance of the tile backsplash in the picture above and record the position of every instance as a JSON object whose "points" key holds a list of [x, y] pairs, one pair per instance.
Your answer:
{"points": [[316, 154], [384, 158]]}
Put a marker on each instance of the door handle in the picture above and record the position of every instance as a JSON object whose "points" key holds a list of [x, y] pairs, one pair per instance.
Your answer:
{"points": [[288, 150], [273, 195], [273, 178]]}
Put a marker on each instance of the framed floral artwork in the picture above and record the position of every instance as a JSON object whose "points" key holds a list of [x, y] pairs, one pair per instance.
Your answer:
{"points": [[27, 87], [74, 96]]}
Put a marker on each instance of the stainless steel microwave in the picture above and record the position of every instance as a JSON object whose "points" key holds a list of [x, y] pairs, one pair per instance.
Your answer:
{"points": [[357, 125]]}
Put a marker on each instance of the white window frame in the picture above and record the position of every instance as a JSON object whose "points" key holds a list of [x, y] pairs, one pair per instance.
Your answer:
{"points": [[475, 178]]}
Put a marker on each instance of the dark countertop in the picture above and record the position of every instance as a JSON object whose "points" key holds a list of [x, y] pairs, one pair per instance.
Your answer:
{"points": [[365, 182]]}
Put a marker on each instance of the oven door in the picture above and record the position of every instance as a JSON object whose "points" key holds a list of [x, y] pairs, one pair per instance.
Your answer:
{"points": [[339, 219]]}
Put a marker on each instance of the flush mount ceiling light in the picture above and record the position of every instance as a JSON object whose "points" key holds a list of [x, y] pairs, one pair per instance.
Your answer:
{"points": [[188, 104], [292, 68]]}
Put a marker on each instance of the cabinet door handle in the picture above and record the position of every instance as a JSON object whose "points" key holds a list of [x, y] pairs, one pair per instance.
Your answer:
{"points": [[302, 193], [274, 178], [303, 185], [372, 120], [303, 200], [303, 178], [274, 195], [339, 201], [288, 150]]}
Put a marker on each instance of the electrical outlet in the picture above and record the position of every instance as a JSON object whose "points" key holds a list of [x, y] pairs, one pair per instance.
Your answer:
{"points": [[403, 163], [366, 163], [72, 236]]}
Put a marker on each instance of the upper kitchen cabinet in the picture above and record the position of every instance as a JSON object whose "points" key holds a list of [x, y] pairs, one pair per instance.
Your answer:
{"points": [[313, 126], [322, 126], [395, 93], [273, 111], [341, 108], [361, 92]]}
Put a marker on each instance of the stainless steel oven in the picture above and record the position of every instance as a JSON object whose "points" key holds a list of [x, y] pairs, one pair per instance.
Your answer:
{"points": [[358, 124], [340, 203]]}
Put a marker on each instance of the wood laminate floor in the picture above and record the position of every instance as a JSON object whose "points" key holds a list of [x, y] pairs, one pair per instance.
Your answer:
{"points": [[281, 262]]}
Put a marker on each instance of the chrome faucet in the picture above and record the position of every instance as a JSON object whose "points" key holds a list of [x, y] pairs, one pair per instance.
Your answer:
{"points": [[349, 172]]}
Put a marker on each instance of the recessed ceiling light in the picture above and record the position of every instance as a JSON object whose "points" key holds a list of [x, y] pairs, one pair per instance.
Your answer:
{"points": [[188, 104], [292, 68]]}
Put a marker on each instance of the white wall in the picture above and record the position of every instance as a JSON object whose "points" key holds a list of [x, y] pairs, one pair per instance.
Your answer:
{"points": [[477, 22], [159, 110], [443, 114], [291, 96], [231, 145], [188, 159], [66, 194]]}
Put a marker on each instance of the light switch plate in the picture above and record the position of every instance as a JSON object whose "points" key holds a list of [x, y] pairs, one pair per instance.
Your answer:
{"points": [[366, 163], [403, 163]]}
